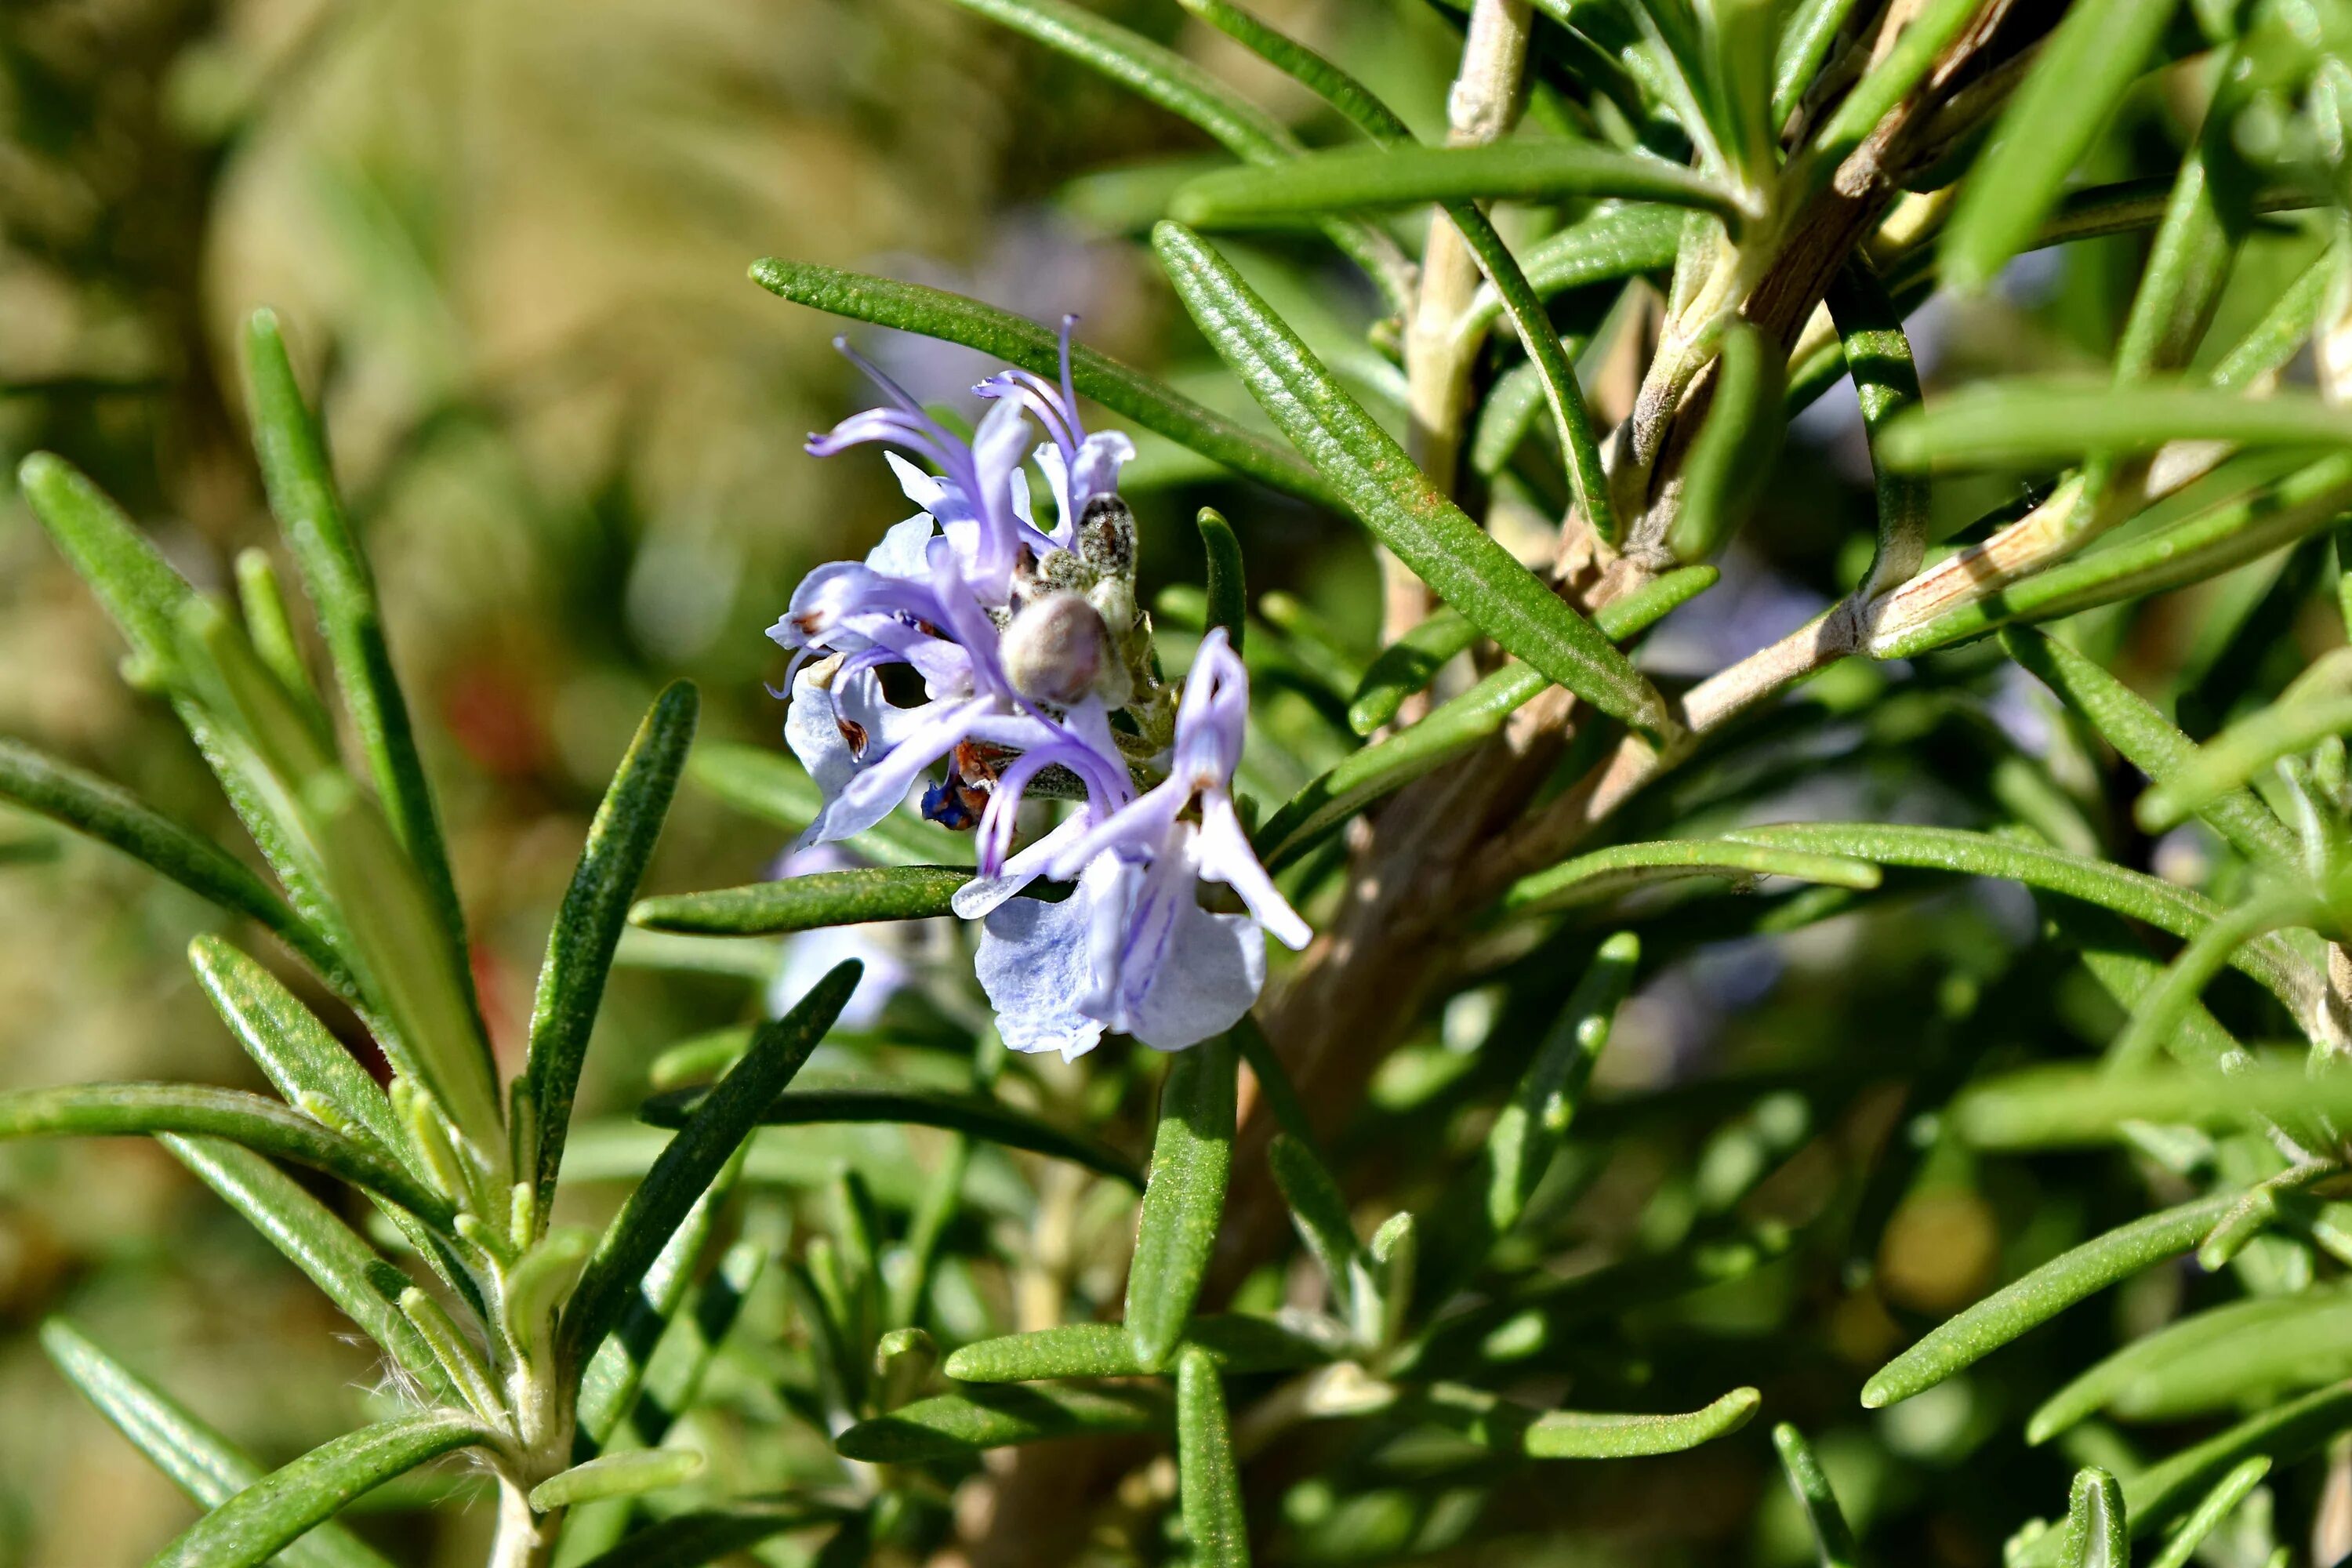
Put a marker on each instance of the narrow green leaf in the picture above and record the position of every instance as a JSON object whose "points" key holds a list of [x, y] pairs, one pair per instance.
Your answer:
{"points": [[2218, 1505], [1478, 714], [2060, 1107], [342, 590], [2131, 725], [1334, 86], [354, 1275], [2260, 1348], [2042, 1295], [915, 1105], [1208, 1481], [1492, 1194], [1932, 26], [953, 1425], [612, 1385], [1807, 35], [1406, 666], [91, 806], [271, 626], [693, 1159], [1238, 1345], [143, 594], [2285, 328], [1355, 179], [765, 784], [1392, 498], [1887, 382], [588, 926], [2169, 1488], [1319, 1213], [709, 1535], [1962, 853], [1605, 873], [2098, 48], [2097, 1535], [1228, 585], [463, 1368], [2027, 421], [617, 1474], [259, 1520], [199, 1461], [1832, 1537], [852, 897], [302, 1059], [674, 1376], [2211, 950], [1190, 1157], [119, 1109], [1731, 457], [2224, 764], [1612, 243], [1576, 1435]]}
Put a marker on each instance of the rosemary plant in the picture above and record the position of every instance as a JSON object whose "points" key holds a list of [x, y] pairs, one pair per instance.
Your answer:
{"points": [[1323, 1250]]}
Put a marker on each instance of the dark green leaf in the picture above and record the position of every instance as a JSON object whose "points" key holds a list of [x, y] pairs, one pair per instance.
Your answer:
{"points": [[915, 1105], [952, 1425], [1731, 457], [258, 1521], [1239, 1345], [1392, 498], [1190, 1157], [693, 1159], [199, 1461], [1833, 1539], [707, 1535], [1406, 666], [1208, 1482], [1574, 1435], [2218, 1505], [820, 899], [1605, 873], [116, 1109], [2022, 422], [1402, 177], [588, 926], [1228, 587]]}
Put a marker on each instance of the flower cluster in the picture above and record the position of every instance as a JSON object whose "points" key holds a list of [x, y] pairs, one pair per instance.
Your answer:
{"points": [[1039, 679]]}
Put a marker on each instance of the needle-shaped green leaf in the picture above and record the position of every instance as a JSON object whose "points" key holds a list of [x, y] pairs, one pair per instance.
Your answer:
{"points": [[1605, 873], [709, 1535], [1406, 666], [2133, 893], [2146, 739], [1887, 382], [1492, 1193], [1478, 714], [2060, 1107], [1731, 457], [693, 1159], [852, 897], [953, 1425], [1832, 1537], [1227, 585], [1614, 241], [2258, 1348], [143, 594], [1807, 35], [303, 494], [674, 1376], [2023, 421], [631, 1474], [91, 806], [354, 1275], [119, 1109], [1392, 498], [1578, 1435], [2042, 1295], [1017, 340], [199, 1461], [1319, 1213], [302, 1059], [2096, 1532], [1208, 1481], [1192, 1155], [2204, 545], [258, 1521], [588, 925], [616, 1375], [1355, 179], [2216, 1505], [2098, 48], [1239, 1345], [271, 625], [2224, 764], [914, 1105], [765, 784]]}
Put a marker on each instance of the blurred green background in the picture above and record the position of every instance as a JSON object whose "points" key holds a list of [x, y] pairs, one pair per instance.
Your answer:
{"points": [[509, 238]]}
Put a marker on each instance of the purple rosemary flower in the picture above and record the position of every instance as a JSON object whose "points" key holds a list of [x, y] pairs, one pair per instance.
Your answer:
{"points": [[1132, 950]]}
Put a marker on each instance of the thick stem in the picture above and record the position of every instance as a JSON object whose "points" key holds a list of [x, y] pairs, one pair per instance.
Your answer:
{"points": [[525, 1539]]}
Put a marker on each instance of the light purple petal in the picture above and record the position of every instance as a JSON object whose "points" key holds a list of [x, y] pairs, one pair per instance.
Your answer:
{"points": [[1226, 857], [976, 898], [1095, 473], [1209, 975], [905, 550], [1032, 962]]}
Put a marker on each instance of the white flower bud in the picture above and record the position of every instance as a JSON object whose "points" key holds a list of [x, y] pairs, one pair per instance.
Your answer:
{"points": [[1055, 648]]}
